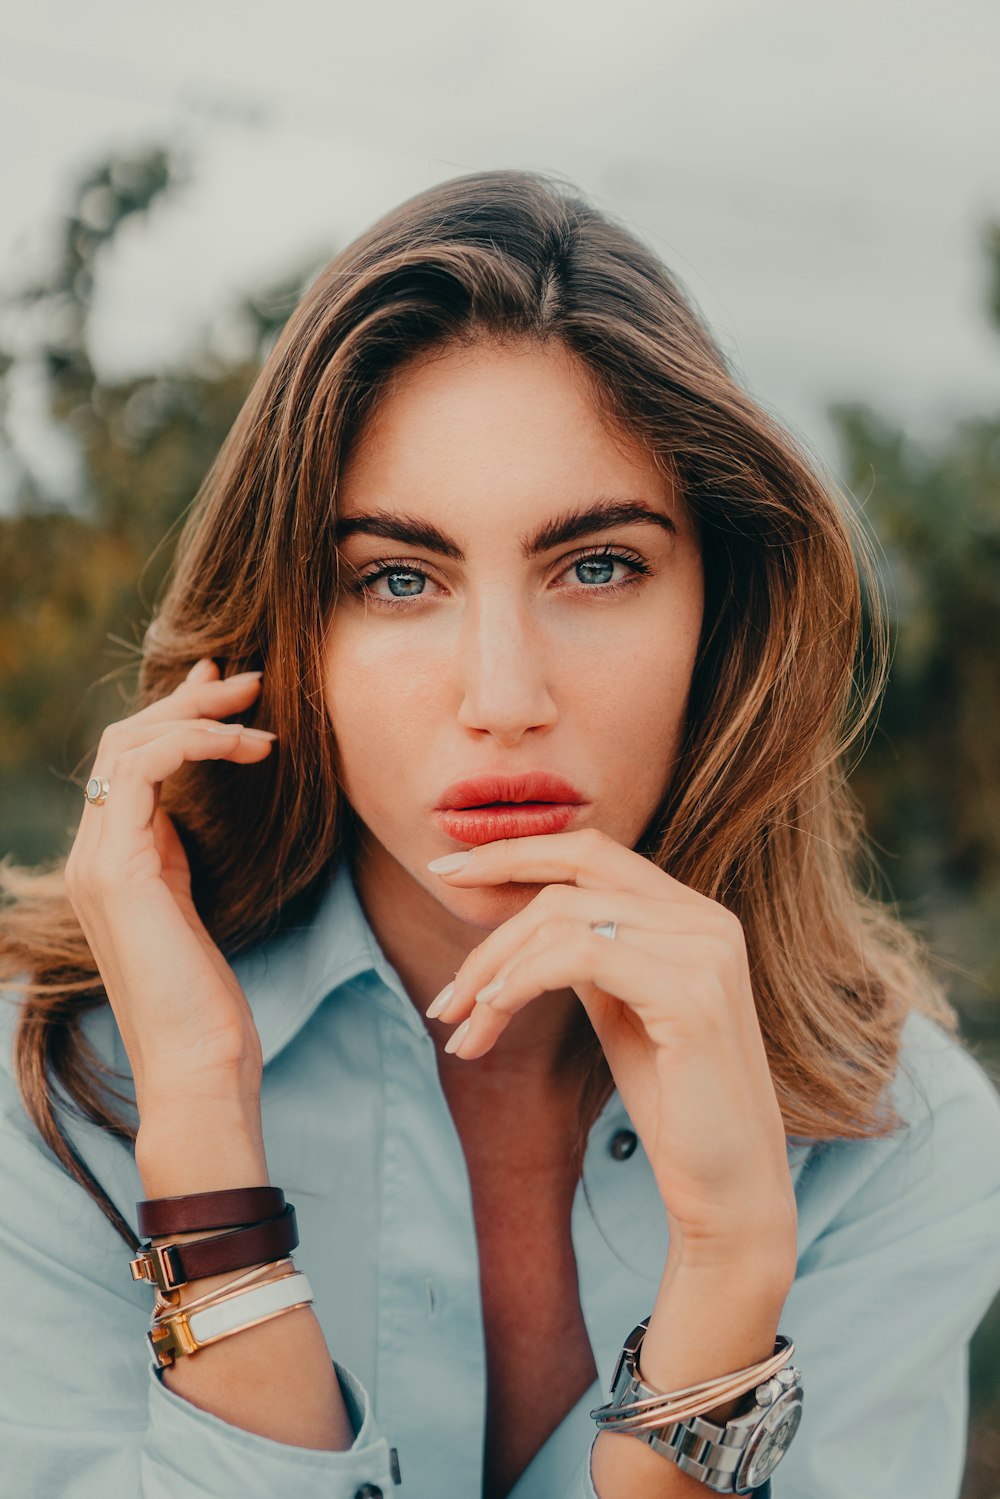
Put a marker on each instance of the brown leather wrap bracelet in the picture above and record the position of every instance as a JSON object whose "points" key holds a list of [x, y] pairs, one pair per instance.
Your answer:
{"points": [[171, 1265], [235, 1207]]}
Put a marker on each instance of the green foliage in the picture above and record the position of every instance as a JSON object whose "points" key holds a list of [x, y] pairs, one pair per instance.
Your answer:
{"points": [[930, 779]]}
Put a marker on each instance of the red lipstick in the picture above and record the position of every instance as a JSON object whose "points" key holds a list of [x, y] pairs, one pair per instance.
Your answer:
{"points": [[494, 806]]}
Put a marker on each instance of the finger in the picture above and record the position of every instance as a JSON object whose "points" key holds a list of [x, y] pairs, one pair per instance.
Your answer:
{"points": [[128, 812], [204, 669], [200, 694], [588, 858], [629, 975], [550, 910], [128, 734]]}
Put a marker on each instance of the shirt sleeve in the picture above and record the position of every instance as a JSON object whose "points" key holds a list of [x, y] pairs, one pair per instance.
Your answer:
{"points": [[899, 1262], [83, 1411]]}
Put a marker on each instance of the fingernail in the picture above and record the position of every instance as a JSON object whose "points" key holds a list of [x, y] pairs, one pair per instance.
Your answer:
{"points": [[458, 1036], [201, 668], [449, 862], [224, 728], [259, 734], [441, 1002], [245, 676], [490, 992]]}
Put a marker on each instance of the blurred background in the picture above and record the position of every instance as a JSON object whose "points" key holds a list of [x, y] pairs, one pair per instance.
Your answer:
{"points": [[823, 181]]}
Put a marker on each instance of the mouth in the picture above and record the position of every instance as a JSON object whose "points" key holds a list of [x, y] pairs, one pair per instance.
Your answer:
{"points": [[472, 825], [540, 788], [491, 807]]}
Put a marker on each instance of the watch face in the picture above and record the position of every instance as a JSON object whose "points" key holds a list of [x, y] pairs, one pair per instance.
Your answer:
{"points": [[770, 1441]]}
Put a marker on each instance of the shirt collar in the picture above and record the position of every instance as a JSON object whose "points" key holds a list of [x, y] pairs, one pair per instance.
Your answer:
{"points": [[285, 978]]}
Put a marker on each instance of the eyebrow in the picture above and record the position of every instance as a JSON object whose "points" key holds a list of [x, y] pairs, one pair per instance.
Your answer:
{"points": [[604, 512]]}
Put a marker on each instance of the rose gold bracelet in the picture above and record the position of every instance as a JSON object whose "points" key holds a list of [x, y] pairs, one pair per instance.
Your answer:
{"points": [[259, 1272], [656, 1410]]}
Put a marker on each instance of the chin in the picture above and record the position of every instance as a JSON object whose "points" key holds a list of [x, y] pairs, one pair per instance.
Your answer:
{"points": [[486, 906]]}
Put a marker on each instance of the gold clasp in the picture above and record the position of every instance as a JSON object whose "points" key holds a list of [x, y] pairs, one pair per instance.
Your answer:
{"points": [[172, 1339], [160, 1265]]}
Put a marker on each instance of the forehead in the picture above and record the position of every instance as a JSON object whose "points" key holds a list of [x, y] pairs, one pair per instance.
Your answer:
{"points": [[495, 427]]}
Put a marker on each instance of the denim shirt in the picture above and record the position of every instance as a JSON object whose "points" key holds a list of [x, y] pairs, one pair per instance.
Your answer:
{"points": [[898, 1261]]}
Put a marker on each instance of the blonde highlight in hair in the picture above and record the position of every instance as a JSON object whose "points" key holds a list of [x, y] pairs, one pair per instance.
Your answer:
{"points": [[758, 814]]}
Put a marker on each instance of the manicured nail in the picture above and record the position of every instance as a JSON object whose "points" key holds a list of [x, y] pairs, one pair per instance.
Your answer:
{"points": [[449, 862], [458, 1036], [245, 676], [224, 728], [441, 1002], [490, 992], [259, 734]]}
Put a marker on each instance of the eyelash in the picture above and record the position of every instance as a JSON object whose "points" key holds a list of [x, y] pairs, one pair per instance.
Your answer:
{"points": [[631, 559]]}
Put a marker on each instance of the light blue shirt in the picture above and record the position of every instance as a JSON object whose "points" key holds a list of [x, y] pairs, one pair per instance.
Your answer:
{"points": [[899, 1259]]}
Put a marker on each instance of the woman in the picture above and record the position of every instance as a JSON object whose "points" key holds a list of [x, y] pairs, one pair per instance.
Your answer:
{"points": [[496, 529]]}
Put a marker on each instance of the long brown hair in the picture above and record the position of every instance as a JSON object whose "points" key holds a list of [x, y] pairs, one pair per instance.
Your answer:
{"points": [[758, 814]]}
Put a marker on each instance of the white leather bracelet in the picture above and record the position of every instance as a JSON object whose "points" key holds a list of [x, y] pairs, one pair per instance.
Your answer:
{"points": [[250, 1307], [174, 1335]]}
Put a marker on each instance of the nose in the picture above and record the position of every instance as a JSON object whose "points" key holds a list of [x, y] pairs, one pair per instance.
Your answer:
{"points": [[502, 666]]}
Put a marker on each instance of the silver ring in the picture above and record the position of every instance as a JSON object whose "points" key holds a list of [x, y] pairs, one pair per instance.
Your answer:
{"points": [[96, 790], [605, 929]]}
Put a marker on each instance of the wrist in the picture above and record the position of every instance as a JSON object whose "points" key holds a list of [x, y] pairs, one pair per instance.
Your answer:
{"points": [[708, 1322], [205, 1151], [768, 1263]]}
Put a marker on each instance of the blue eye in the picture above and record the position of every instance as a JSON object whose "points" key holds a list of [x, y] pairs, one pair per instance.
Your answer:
{"points": [[600, 561]]}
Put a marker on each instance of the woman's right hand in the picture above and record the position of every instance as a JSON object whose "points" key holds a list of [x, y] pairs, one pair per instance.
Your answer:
{"points": [[184, 1020]]}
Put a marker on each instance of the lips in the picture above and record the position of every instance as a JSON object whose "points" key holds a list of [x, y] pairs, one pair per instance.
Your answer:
{"points": [[491, 807], [489, 790]]}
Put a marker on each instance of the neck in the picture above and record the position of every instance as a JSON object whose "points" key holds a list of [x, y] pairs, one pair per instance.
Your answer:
{"points": [[544, 1043]]}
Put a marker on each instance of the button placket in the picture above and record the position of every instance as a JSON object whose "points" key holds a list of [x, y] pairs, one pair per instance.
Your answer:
{"points": [[426, 1200]]}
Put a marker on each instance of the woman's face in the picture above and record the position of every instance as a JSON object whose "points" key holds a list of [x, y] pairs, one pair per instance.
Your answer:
{"points": [[494, 643]]}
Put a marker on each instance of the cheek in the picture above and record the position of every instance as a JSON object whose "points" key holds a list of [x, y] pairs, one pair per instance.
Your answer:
{"points": [[639, 675], [635, 708], [379, 700]]}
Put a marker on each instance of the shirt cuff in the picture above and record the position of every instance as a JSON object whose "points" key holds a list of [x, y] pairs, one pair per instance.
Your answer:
{"points": [[192, 1452]]}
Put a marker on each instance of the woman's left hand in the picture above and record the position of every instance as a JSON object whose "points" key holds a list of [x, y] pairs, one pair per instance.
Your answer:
{"points": [[671, 1003]]}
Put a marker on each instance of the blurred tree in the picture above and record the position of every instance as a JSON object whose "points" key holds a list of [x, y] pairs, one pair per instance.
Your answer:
{"points": [[78, 577], [930, 777]]}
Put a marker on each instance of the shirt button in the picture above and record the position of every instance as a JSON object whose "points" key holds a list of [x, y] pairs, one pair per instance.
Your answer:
{"points": [[623, 1143], [368, 1491]]}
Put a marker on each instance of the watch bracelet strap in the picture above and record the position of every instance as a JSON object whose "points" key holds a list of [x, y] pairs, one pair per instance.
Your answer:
{"points": [[699, 1447], [679, 1443], [173, 1265], [177, 1336], [234, 1207]]}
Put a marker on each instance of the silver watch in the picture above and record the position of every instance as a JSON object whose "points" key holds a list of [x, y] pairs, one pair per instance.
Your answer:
{"points": [[732, 1459]]}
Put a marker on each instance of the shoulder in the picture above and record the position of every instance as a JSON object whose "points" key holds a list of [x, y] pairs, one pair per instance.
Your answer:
{"points": [[943, 1163], [34, 1183]]}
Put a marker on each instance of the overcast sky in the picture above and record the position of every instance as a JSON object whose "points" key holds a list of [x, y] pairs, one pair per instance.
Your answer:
{"points": [[817, 175]]}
